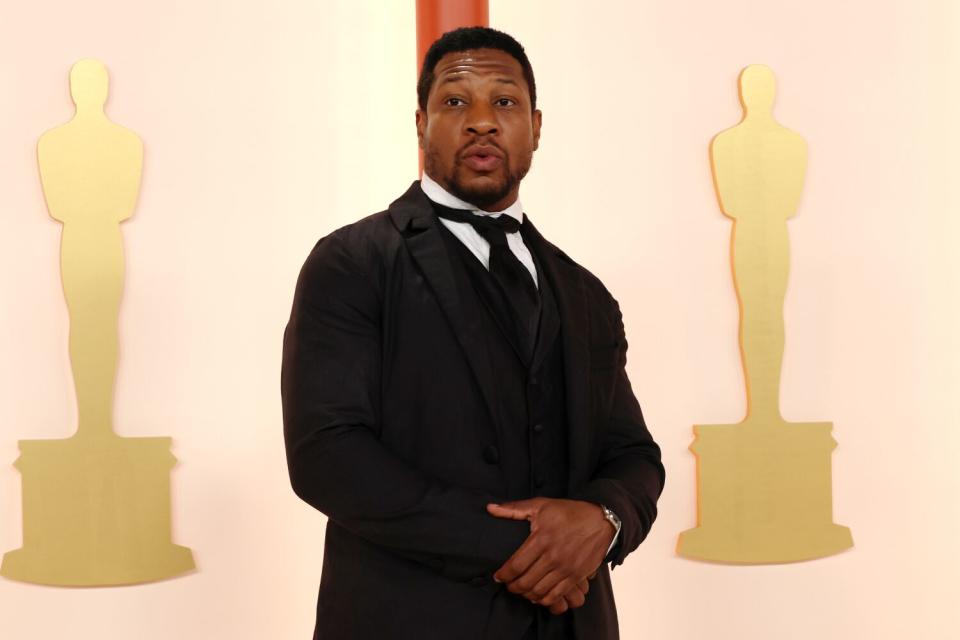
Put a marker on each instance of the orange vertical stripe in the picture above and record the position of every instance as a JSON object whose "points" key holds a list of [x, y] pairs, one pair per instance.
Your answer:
{"points": [[436, 17]]}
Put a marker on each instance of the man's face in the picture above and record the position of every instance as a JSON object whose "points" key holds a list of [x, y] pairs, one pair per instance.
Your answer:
{"points": [[478, 133]]}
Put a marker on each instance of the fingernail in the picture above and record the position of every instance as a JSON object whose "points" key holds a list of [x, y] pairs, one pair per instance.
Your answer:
{"points": [[496, 579]]}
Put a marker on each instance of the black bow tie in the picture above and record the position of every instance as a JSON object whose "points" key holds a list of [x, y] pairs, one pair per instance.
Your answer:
{"points": [[485, 225]]}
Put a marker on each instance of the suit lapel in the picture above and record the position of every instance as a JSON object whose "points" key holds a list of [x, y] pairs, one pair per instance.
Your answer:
{"points": [[414, 217], [570, 294], [549, 322]]}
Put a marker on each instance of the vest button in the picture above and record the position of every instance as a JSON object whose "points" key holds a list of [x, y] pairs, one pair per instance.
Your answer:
{"points": [[490, 454], [537, 428], [538, 481]]}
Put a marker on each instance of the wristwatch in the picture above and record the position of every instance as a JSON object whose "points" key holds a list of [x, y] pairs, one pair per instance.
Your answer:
{"points": [[612, 518]]}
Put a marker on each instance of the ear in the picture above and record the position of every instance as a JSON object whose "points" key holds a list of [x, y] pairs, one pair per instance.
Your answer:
{"points": [[421, 118], [537, 122]]}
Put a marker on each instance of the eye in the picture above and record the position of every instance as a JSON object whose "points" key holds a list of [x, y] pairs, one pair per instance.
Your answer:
{"points": [[454, 102], [505, 102]]}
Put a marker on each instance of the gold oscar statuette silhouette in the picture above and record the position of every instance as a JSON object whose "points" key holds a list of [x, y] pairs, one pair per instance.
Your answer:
{"points": [[96, 506], [763, 485]]}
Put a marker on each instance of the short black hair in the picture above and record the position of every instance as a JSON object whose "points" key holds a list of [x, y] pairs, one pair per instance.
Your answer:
{"points": [[464, 39]]}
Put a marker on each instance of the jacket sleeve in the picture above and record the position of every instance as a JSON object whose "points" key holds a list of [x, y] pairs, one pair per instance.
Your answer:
{"points": [[330, 388], [629, 476]]}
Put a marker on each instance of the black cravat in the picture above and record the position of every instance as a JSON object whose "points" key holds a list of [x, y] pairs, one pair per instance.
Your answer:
{"points": [[514, 278]]}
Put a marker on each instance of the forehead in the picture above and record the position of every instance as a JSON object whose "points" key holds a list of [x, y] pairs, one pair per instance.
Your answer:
{"points": [[478, 63]]}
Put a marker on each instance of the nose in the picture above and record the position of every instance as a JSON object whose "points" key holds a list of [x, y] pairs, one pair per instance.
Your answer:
{"points": [[481, 120]]}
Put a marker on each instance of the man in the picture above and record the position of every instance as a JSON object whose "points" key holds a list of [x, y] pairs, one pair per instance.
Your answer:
{"points": [[454, 392]]}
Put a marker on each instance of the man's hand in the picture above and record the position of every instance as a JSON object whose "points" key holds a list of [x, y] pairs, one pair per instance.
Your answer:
{"points": [[567, 543], [571, 599]]}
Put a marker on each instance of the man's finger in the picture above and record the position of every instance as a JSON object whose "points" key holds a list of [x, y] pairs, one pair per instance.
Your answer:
{"points": [[583, 586], [559, 607], [523, 584], [519, 510], [541, 587], [570, 599], [525, 555], [574, 598], [559, 589]]}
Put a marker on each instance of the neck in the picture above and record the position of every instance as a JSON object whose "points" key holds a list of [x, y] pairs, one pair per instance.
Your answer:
{"points": [[500, 205], [494, 207], [435, 191]]}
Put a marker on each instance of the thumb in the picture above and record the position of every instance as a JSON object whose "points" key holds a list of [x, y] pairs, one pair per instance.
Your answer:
{"points": [[515, 510]]}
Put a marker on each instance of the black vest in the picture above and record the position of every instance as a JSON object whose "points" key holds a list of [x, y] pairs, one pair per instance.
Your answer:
{"points": [[530, 398], [531, 402]]}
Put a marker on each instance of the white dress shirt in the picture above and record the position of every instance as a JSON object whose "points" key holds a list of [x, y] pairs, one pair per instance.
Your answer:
{"points": [[478, 246], [471, 237]]}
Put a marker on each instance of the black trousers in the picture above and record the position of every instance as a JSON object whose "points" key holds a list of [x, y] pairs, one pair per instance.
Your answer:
{"points": [[547, 626]]}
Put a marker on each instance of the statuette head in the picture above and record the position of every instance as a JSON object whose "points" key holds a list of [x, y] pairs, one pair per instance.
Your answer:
{"points": [[757, 89], [88, 83]]}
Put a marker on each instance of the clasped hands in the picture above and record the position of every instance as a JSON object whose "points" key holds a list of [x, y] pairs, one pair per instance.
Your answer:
{"points": [[567, 544]]}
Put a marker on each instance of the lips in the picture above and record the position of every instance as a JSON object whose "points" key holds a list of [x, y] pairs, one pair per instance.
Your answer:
{"points": [[482, 158]]}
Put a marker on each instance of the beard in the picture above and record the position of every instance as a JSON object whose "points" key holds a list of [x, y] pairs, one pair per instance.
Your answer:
{"points": [[479, 195]]}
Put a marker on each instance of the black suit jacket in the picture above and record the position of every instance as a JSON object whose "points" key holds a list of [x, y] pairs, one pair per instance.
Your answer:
{"points": [[387, 414]]}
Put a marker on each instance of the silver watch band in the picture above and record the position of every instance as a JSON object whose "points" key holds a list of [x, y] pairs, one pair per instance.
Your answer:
{"points": [[614, 520]]}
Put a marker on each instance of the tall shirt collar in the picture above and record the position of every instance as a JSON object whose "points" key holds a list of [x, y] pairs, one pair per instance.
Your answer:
{"points": [[441, 196]]}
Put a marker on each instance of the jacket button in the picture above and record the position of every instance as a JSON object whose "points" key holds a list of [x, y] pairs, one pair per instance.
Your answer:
{"points": [[490, 454], [538, 481], [537, 428]]}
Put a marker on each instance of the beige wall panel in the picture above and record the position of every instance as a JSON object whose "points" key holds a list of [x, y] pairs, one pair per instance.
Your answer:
{"points": [[266, 125]]}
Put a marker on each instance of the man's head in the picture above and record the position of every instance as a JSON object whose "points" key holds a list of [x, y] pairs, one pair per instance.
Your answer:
{"points": [[477, 121]]}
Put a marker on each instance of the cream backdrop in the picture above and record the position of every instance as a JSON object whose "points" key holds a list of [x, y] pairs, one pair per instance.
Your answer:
{"points": [[268, 124]]}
